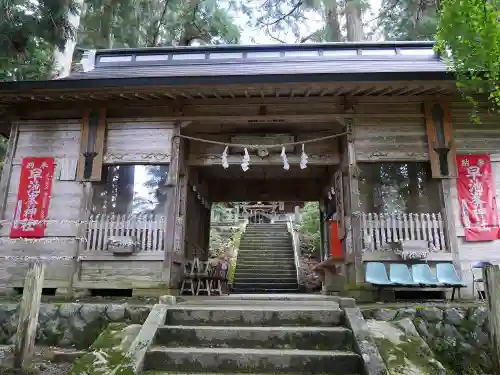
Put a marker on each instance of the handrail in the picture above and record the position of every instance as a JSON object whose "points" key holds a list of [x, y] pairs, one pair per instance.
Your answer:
{"points": [[296, 246]]}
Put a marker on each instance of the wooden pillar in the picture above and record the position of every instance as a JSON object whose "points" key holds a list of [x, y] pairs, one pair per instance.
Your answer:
{"points": [[7, 168], [352, 241], [450, 233], [322, 241], [171, 206], [491, 277], [24, 344], [83, 217]]}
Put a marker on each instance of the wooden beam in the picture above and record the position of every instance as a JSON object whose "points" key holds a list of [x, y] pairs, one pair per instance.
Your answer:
{"points": [[208, 160], [265, 190]]}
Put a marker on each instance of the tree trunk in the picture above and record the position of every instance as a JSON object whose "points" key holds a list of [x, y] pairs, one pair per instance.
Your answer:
{"points": [[107, 21], [353, 21], [332, 24], [61, 66]]}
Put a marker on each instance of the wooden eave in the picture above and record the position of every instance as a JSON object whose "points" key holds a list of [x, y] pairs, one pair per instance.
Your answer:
{"points": [[145, 94]]}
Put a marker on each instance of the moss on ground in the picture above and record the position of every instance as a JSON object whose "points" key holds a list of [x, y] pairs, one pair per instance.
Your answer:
{"points": [[105, 355], [410, 349]]}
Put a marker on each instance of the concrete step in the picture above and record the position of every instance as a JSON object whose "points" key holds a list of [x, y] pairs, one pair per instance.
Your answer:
{"points": [[289, 264], [305, 338], [265, 247], [265, 291], [231, 360], [259, 279], [156, 372], [266, 273], [251, 267], [270, 258], [277, 284], [273, 234], [264, 316], [265, 252], [261, 237], [266, 239]]}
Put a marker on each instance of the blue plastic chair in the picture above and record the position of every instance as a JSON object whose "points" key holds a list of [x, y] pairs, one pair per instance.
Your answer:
{"points": [[448, 275], [376, 274], [422, 275], [400, 274]]}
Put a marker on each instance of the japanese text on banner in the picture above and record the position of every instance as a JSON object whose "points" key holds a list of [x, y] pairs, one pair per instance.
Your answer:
{"points": [[476, 194], [33, 198]]}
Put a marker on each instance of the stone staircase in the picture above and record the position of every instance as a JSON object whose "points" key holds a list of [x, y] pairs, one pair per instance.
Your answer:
{"points": [[265, 262], [254, 337]]}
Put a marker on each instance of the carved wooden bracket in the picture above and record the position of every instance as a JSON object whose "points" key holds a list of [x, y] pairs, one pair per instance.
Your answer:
{"points": [[442, 151], [92, 135]]}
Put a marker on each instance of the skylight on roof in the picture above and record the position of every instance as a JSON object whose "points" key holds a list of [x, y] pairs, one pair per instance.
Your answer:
{"points": [[112, 59], [299, 53], [263, 54], [378, 52], [188, 56], [417, 52], [340, 52], [151, 57], [226, 55]]}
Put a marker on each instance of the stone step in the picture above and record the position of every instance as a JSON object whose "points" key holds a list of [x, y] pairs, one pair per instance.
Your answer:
{"points": [[156, 372], [231, 360], [270, 239], [265, 247], [266, 273], [253, 267], [264, 316], [277, 260], [256, 279], [277, 284], [305, 338], [265, 252], [280, 231], [265, 291], [269, 257], [290, 263], [262, 236]]}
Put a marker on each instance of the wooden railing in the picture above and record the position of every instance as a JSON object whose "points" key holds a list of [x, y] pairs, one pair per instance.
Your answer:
{"points": [[148, 230], [381, 229]]}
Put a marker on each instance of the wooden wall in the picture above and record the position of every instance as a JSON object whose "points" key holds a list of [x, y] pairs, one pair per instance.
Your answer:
{"points": [[60, 139], [474, 138], [400, 137], [145, 141]]}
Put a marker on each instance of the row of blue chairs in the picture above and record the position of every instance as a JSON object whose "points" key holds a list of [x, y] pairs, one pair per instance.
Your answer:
{"points": [[420, 276]]}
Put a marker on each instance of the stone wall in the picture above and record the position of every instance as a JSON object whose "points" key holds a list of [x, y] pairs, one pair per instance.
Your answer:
{"points": [[70, 324], [458, 336]]}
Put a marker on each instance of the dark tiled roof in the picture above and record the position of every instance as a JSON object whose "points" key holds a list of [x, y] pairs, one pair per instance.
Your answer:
{"points": [[226, 61]]}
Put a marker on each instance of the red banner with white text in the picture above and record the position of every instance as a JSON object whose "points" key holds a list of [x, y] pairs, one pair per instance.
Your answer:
{"points": [[476, 196], [33, 198]]}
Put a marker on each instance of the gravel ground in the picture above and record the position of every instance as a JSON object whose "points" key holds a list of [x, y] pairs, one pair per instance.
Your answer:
{"points": [[41, 365]]}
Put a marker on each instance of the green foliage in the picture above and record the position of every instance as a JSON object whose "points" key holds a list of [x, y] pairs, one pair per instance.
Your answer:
{"points": [[309, 228], [151, 23], [29, 30], [407, 19], [469, 34]]}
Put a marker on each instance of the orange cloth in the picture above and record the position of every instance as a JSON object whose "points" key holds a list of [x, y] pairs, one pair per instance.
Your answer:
{"points": [[335, 244]]}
